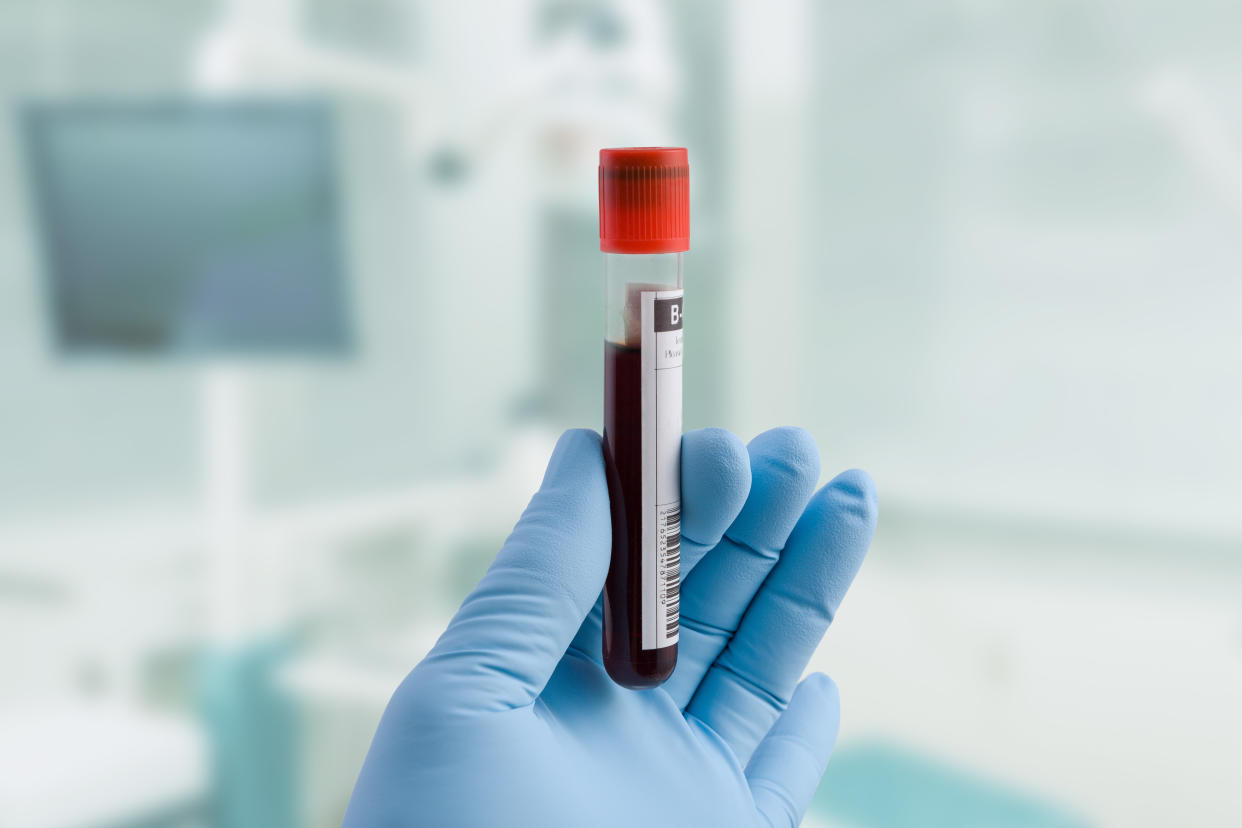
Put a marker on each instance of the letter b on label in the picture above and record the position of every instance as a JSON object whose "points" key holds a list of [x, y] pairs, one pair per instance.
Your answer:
{"points": [[668, 315]]}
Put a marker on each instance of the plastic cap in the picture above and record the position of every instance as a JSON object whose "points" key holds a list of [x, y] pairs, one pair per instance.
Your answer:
{"points": [[644, 200]]}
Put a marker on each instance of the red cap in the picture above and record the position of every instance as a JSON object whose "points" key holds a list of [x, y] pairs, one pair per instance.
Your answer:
{"points": [[644, 200]]}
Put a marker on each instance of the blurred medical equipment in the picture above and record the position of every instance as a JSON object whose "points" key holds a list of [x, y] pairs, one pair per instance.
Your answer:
{"points": [[190, 227], [210, 230], [599, 73]]}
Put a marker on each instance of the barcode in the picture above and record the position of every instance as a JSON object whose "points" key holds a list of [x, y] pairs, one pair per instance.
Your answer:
{"points": [[672, 570]]}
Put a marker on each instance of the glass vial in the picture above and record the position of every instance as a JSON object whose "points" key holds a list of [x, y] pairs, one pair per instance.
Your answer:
{"points": [[644, 229]]}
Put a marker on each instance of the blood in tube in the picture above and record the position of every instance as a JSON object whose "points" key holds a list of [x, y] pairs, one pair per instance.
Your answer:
{"points": [[644, 229]]}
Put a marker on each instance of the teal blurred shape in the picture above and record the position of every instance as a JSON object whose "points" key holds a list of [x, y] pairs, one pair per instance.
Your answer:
{"points": [[254, 735], [881, 785]]}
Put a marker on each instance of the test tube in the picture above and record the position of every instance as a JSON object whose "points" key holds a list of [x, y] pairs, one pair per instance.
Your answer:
{"points": [[644, 227]]}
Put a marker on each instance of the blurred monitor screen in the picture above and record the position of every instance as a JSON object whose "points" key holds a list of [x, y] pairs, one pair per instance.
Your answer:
{"points": [[189, 227]]}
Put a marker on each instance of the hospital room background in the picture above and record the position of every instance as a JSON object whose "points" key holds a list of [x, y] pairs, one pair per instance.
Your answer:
{"points": [[991, 252]]}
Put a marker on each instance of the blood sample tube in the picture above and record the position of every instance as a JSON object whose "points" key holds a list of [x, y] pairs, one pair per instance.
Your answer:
{"points": [[644, 227]]}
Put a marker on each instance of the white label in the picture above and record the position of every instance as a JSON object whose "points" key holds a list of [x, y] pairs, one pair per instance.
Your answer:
{"points": [[661, 315]]}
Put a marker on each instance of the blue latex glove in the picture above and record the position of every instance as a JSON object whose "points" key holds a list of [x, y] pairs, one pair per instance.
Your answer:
{"points": [[512, 721]]}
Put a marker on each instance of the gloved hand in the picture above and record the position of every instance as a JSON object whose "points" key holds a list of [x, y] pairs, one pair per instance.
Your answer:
{"points": [[512, 721]]}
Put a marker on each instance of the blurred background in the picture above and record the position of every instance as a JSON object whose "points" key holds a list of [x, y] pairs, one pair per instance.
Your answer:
{"points": [[296, 295]]}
